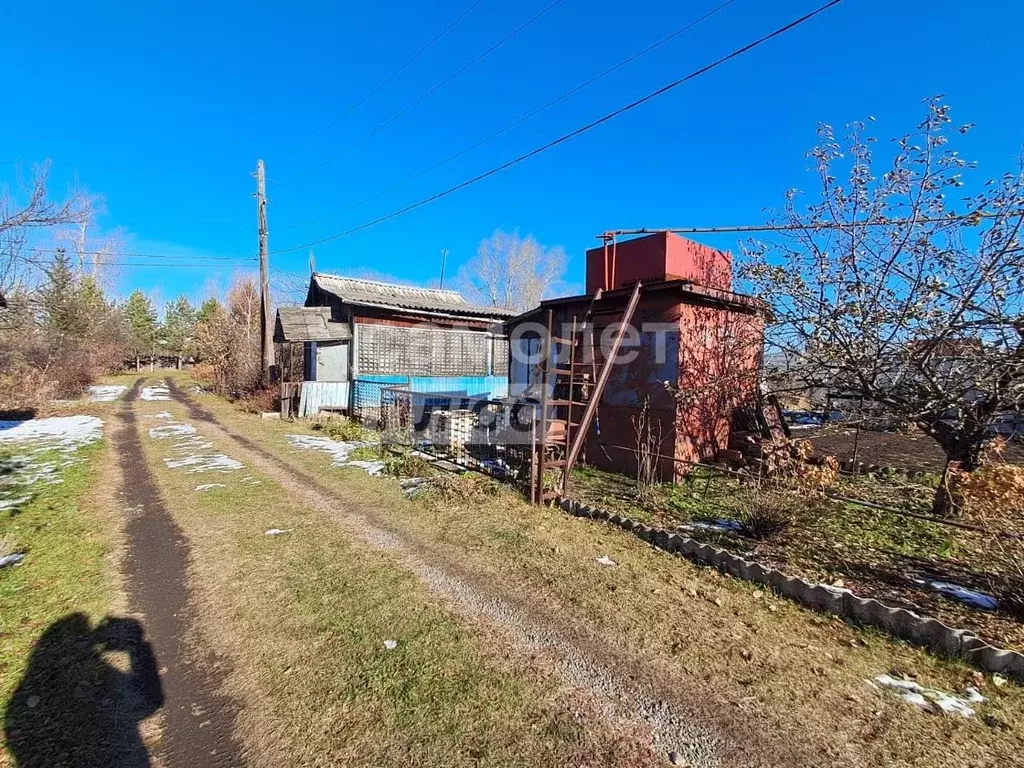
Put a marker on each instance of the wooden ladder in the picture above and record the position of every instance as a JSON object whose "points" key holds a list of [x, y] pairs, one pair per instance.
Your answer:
{"points": [[579, 386]]}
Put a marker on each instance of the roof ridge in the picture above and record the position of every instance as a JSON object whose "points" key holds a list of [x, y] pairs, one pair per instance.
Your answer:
{"points": [[448, 291]]}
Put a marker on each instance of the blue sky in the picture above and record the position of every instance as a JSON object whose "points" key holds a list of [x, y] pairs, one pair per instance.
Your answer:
{"points": [[164, 109]]}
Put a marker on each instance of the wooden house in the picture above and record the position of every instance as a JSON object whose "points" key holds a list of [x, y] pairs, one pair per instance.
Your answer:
{"points": [[359, 336]]}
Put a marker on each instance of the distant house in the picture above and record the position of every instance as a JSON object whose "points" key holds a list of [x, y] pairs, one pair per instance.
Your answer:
{"points": [[360, 336]]}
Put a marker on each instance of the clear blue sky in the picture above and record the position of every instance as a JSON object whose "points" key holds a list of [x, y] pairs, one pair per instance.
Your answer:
{"points": [[165, 108]]}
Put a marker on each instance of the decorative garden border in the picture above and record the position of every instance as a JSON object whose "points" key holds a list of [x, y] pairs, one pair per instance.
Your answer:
{"points": [[900, 623]]}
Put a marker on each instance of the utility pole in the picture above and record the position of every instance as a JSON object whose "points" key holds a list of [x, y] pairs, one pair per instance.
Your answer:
{"points": [[444, 258], [266, 334]]}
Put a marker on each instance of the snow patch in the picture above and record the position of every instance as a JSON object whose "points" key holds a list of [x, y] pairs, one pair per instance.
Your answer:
{"points": [[105, 393], [63, 434], [190, 450], [338, 450], [171, 430], [216, 463], [157, 391], [277, 531], [161, 415], [66, 433], [930, 698], [605, 560], [209, 486], [371, 467]]}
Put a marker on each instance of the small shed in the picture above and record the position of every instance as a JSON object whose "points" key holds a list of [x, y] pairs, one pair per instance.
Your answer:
{"points": [[689, 372], [360, 336]]}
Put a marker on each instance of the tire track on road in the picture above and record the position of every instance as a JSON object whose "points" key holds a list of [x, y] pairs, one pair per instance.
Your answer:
{"points": [[198, 722]]}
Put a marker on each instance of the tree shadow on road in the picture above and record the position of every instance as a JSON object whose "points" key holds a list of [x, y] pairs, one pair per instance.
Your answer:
{"points": [[83, 696]]}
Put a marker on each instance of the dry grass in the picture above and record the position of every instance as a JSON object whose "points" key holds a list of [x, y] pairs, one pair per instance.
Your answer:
{"points": [[791, 678], [301, 619]]}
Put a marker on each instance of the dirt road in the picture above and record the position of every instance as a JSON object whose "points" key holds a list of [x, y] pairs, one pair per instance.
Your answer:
{"points": [[623, 691], [196, 722]]}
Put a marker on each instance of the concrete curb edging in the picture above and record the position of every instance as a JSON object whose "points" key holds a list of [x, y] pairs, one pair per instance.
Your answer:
{"points": [[900, 623]]}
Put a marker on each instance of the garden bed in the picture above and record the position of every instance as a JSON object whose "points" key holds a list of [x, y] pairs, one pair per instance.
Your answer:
{"points": [[901, 561]]}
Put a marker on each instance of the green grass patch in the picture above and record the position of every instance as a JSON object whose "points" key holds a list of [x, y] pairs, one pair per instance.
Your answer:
{"points": [[63, 571]]}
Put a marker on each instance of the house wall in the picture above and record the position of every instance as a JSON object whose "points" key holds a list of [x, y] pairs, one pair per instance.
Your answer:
{"points": [[423, 351]]}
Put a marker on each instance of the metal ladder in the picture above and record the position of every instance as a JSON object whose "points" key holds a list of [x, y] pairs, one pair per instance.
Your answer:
{"points": [[581, 386]]}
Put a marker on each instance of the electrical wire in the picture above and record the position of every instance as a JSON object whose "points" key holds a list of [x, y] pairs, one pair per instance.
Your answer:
{"points": [[381, 126], [131, 255], [571, 135], [629, 60], [383, 83]]}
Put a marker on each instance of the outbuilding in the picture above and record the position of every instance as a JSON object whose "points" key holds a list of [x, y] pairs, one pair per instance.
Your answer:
{"points": [[687, 373], [361, 336]]}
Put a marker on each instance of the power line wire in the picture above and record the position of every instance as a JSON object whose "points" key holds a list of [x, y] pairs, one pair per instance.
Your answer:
{"points": [[572, 134], [384, 82], [130, 255], [381, 126], [825, 225], [629, 60]]}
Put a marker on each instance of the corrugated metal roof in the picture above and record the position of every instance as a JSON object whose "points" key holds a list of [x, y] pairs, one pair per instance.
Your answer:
{"points": [[308, 324], [392, 296]]}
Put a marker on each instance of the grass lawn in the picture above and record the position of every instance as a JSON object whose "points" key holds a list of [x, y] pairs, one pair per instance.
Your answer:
{"points": [[872, 551], [738, 656], [66, 571], [301, 620]]}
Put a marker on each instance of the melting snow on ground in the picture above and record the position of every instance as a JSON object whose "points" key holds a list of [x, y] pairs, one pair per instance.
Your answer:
{"points": [[930, 698], [33, 438], [193, 451], [209, 486], [172, 430], [157, 391], [105, 393], [338, 450]]}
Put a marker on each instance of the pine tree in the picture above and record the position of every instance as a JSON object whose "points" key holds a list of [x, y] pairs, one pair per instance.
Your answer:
{"points": [[180, 327], [65, 320], [141, 327]]}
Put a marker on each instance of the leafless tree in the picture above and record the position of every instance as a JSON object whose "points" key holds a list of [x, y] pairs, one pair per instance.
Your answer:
{"points": [[29, 211], [511, 271], [895, 288], [93, 252]]}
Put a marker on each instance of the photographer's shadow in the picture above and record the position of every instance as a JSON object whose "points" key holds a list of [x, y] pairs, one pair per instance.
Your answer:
{"points": [[80, 702]]}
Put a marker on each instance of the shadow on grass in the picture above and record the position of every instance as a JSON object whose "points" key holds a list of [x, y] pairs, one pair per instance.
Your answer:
{"points": [[75, 706]]}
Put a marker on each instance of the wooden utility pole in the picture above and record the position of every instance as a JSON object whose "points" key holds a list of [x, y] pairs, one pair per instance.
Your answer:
{"points": [[444, 258], [266, 333]]}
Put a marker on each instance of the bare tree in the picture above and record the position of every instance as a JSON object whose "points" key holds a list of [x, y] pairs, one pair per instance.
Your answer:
{"points": [[32, 210], [511, 272], [94, 253], [896, 289]]}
